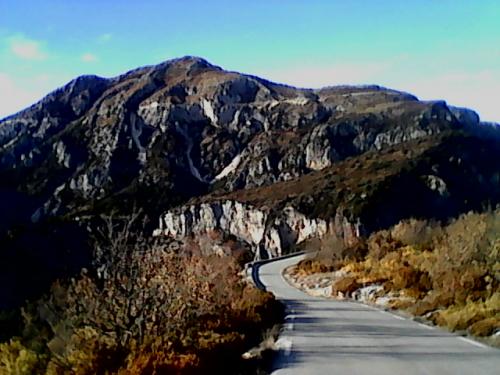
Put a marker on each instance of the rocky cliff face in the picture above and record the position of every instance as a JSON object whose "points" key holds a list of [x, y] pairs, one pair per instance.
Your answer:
{"points": [[270, 234], [194, 144], [436, 178], [189, 123]]}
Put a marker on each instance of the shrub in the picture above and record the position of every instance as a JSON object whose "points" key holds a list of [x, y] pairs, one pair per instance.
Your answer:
{"points": [[417, 233], [329, 253], [451, 272], [15, 358], [144, 310], [328, 247], [485, 327], [346, 286], [460, 317], [311, 266], [381, 243]]}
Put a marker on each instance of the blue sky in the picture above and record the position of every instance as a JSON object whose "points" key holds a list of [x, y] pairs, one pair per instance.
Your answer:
{"points": [[436, 49]]}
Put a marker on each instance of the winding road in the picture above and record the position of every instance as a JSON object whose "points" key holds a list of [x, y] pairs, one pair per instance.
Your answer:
{"points": [[323, 336]]}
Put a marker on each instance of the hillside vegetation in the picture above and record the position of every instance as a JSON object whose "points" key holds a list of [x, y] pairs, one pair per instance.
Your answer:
{"points": [[144, 311], [449, 274]]}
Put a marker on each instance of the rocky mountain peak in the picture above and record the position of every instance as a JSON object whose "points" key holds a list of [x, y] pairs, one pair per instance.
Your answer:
{"points": [[192, 142], [215, 128]]}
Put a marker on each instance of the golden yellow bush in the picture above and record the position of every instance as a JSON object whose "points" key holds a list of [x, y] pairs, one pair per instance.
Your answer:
{"points": [[459, 317], [451, 271], [15, 358], [485, 327]]}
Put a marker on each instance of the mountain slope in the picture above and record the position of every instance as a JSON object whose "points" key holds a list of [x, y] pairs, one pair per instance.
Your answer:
{"points": [[186, 123], [183, 133]]}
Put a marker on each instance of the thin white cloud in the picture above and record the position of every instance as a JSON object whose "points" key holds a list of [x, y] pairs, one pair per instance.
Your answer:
{"points": [[328, 75], [104, 38], [475, 90], [15, 97], [27, 49], [89, 58]]}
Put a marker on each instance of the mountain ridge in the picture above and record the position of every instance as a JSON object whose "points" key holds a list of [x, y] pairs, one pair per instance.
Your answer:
{"points": [[169, 136]]}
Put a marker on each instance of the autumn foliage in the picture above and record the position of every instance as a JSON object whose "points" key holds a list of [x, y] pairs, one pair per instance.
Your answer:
{"points": [[448, 273], [144, 310]]}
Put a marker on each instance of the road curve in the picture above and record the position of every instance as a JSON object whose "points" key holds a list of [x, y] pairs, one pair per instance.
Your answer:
{"points": [[323, 336]]}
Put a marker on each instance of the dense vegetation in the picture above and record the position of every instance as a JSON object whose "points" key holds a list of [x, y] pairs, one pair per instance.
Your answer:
{"points": [[143, 310], [449, 274]]}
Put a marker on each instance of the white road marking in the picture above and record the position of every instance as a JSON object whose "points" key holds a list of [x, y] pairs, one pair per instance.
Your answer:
{"points": [[472, 342], [372, 307], [398, 317], [425, 326], [393, 315]]}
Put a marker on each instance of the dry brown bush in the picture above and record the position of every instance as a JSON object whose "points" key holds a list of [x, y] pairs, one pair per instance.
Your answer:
{"points": [[485, 327], [460, 265], [346, 286], [405, 277], [146, 310], [448, 271], [328, 247], [460, 317], [415, 232], [381, 243], [329, 253], [311, 266]]}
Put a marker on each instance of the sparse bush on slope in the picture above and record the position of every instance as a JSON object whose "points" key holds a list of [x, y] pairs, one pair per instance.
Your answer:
{"points": [[145, 311]]}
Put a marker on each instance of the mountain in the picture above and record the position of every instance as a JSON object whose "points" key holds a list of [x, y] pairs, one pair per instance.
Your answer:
{"points": [[203, 150]]}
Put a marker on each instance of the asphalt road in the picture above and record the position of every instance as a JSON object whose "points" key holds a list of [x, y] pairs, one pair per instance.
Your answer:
{"points": [[323, 336]]}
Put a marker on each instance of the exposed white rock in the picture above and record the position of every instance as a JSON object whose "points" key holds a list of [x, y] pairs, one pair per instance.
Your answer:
{"points": [[84, 183], [62, 156], [320, 291], [194, 171], [297, 101], [42, 129], [154, 113], [230, 168], [146, 106], [436, 183], [209, 111], [317, 157], [136, 130], [367, 293], [271, 234], [301, 225], [396, 136]]}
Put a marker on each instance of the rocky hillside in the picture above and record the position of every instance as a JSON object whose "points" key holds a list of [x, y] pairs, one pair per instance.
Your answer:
{"points": [[206, 150]]}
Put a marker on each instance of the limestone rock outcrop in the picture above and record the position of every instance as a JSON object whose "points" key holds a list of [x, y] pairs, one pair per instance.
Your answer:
{"points": [[269, 234]]}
